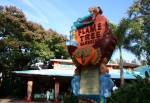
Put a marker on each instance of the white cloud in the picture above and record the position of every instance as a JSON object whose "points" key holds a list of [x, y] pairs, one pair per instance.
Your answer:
{"points": [[39, 17], [27, 2]]}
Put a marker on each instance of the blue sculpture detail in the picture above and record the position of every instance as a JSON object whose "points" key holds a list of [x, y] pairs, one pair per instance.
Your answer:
{"points": [[106, 85]]}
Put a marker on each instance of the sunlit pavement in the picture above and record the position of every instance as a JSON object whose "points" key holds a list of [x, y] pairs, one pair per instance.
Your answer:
{"points": [[13, 100]]}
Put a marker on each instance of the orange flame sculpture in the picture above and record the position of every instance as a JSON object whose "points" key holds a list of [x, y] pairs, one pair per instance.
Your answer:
{"points": [[91, 40]]}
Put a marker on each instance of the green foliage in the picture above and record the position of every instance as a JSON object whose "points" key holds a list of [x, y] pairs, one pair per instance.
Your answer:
{"points": [[133, 32], [22, 41], [120, 31], [59, 48], [14, 86], [139, 29], [70, 99], [136, 92]]}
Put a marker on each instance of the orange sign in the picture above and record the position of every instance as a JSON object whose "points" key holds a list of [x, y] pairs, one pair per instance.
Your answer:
{"points": [[87, 35], [94, 39]]}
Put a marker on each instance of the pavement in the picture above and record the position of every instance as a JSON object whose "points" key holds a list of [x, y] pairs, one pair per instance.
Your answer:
{"points": [[14, 100]]}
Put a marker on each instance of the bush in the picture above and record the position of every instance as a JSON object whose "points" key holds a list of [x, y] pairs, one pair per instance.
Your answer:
{"points": [[136, 92], [70, 99]]}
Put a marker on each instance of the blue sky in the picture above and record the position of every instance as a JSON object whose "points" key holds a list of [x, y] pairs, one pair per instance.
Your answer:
{"points": [[60, 14]]}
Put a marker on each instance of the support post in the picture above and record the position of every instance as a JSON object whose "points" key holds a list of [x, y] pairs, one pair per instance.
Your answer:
{"points": [[29, 90], [56, 90]]}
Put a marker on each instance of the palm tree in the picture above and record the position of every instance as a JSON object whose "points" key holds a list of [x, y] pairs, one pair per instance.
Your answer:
{"points": [[120, 32]]}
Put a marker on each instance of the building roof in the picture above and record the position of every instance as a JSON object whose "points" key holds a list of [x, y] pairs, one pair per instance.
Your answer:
{"points": [[47, 72], [66, 68], [125, 65], [62, 60], [142, 69], [115, 74]]}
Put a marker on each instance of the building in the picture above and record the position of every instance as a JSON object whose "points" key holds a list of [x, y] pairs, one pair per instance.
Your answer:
{"points": [[60, 76]]}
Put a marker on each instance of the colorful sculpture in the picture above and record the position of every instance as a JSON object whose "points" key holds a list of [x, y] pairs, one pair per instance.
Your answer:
{"points": [[91, 43]]}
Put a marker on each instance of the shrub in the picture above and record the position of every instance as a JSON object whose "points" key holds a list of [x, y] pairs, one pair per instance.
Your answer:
{"points": [[136, 92]]}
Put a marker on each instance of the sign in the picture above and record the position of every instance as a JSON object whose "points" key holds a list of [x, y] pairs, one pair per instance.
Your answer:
{"points": [[89, 83], [94, 39], [87, 38], [89, 34], [95, 44]]}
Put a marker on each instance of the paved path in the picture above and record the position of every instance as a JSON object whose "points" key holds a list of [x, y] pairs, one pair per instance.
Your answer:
{"points": [[13, 100]]}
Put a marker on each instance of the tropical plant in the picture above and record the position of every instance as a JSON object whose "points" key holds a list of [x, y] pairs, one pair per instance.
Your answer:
{"points": [[120, 31], [133, 32], [136, 92], [139, 29]]}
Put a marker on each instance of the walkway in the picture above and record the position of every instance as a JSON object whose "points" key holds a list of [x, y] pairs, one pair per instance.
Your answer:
{"points": [[13, 100]]}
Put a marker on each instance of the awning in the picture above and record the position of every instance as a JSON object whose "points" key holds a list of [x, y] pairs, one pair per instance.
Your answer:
{"points": [[142, 69], [47, 72], [115, 74]]}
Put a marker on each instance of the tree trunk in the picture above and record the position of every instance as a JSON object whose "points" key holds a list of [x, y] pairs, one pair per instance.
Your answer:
{"points": [[121, 68]]}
